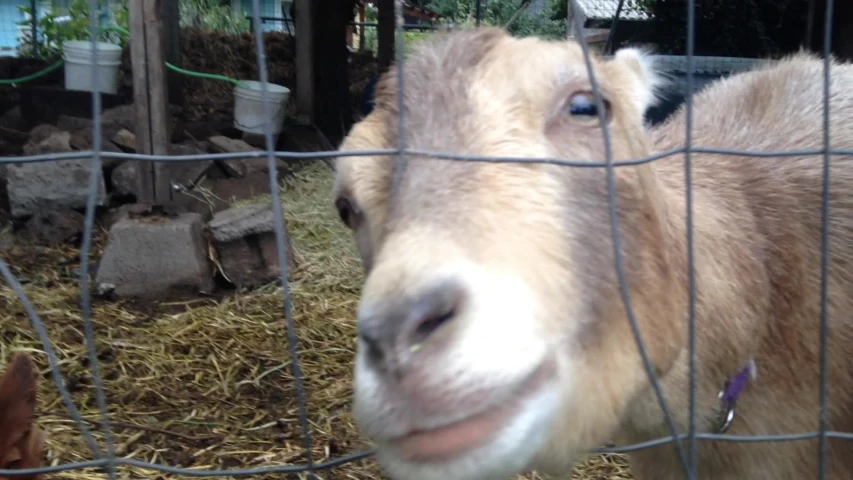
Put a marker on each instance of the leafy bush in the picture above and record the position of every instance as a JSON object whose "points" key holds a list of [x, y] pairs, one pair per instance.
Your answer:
{"points": [[52, 30], [550, 23], [213, 15]]}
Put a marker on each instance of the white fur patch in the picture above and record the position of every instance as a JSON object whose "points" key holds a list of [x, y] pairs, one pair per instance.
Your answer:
{"points": [[642, 64], [499, 344]]}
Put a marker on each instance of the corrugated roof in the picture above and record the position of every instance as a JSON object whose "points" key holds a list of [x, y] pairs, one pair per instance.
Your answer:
{"points": [[606, 10]]}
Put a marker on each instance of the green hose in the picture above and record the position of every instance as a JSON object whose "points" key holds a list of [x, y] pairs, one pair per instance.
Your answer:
{"points": [[118, 29], [33, 76]]}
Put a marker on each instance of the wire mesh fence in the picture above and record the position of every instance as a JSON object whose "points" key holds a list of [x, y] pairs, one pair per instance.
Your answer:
{"points": [[105, 456]]}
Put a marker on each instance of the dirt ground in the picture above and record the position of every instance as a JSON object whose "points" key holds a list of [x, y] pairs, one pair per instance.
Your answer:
{"points": [[207, 382]]}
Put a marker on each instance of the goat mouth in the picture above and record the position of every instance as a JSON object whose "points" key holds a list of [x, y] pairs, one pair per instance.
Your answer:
{"points": [[456, 439]]}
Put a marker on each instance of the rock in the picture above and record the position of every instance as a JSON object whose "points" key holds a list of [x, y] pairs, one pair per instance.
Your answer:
{"points": [[47, 139], [148, 257], [55, 227], [51, 185], [82, 140], [241, 167], [123, 116], [7, 238], [71, 124], [124, 179], [245, 241], [113, 120], [41, 133], [125, 139], [12, 118], [239, 222], [104, 290], [223, 144], [113, 216]]}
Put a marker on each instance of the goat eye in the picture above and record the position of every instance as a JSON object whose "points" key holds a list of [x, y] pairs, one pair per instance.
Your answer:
{"points": [[582, 104], [345, 210]]}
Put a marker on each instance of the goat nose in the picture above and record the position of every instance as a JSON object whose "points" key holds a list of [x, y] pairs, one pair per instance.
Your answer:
{"points": [[395, 329]]}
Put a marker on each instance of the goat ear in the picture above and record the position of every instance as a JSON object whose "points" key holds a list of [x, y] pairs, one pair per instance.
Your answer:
{"points": [[17, 402], [639, 61]]}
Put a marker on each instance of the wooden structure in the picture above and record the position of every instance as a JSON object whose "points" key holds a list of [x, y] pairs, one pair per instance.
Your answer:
{"points": [[147, 55], [304, 59]]}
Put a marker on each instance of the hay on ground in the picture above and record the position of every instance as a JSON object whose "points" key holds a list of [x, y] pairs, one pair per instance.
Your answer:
{"points": [[207, 383]]}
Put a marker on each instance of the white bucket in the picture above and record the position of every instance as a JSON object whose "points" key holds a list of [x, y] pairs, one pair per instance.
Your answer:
{"points": [[78, 65], [249, 108]]}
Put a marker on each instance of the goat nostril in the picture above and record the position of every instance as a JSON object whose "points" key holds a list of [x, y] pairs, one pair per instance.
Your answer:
{"points": [[372, 342]]}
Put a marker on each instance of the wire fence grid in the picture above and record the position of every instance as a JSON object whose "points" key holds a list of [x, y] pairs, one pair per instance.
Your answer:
{"points": [[109, 461]]}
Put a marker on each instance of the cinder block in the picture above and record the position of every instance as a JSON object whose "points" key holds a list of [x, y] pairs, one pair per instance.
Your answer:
{"points": [[152, 256], [246, 243]]}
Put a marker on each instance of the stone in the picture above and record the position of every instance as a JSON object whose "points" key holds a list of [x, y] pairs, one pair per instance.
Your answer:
{"points": [[125, 139], [55, 227], [239, 222], [123, 116], [7, 238], [47, 139], [104, 290], [11, 118], [71, 123], [246, 245], [51, 185], [239, 167], [114, 215], [124, 179], [41, 133], [148, 257], [82, 140]]}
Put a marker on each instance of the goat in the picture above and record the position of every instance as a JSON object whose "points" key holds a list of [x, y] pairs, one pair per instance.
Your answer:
{"points": [[492, 337], [21, 440]]}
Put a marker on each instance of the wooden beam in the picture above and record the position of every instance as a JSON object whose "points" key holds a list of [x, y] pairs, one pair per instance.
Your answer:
{"points": [[139, 64], [172, 36], [150, 94], [304, 27], [385, 33]]}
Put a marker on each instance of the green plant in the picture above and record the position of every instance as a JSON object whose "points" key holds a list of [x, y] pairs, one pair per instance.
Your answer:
{"points": [[53, 31], [213, 15]]}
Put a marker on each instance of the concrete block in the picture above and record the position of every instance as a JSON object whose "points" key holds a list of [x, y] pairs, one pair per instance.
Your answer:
{"points": [[152, 256], [245, 241], [239, 222]]}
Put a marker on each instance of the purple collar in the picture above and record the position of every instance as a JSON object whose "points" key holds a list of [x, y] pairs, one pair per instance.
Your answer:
{"points": [[730, 393]]}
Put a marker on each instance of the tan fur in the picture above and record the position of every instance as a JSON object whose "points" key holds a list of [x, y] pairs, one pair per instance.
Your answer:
{"points": [[756, 243], [21, 440]]}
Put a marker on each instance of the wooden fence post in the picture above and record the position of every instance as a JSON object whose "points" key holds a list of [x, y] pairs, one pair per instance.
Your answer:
{"points": [[150, 98]]}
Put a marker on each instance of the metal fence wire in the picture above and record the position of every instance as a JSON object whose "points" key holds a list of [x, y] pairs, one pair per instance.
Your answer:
{"points": [[108, 459]]}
